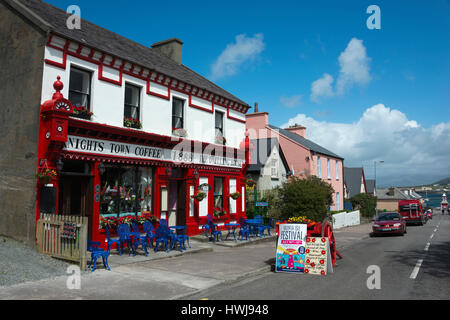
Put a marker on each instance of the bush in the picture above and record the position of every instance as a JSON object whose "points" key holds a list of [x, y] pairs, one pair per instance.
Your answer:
{"points": [[309, 197], [365, 203]]}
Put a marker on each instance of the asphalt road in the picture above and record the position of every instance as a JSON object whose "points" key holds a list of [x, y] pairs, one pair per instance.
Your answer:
{"points": [[415, 266]]}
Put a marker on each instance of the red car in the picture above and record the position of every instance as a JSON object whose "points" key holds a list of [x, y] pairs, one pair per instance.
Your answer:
{"points": [[389, 223]]}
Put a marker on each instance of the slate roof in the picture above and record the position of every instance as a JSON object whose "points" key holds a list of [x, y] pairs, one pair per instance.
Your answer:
{"points": [[352, 179], [94, 36], [383, 194], [261, 152], [305, 142]]}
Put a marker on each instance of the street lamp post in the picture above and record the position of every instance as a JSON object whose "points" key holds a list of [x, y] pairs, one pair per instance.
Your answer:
{"points": [[375, 188]]}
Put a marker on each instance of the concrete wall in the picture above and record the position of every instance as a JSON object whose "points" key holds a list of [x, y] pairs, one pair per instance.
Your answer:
{"points": [[388, 205], [21, 58]]}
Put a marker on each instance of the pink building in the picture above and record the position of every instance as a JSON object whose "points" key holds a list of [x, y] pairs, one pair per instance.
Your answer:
{"points": [[304, 157]]}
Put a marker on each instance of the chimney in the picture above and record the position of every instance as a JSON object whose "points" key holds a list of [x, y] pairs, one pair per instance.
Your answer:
{"points": [[171, 48], [298, 129], [391, 191], [256, 106]]}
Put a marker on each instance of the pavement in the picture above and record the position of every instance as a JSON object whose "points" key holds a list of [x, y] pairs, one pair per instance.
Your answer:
{"points": [[169, 276]]}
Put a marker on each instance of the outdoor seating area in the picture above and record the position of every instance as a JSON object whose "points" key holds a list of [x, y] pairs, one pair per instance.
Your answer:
{"points": [[248, 228], [130, 238]]}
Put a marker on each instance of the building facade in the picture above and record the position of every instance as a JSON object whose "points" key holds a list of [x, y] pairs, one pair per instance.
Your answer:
{"points": [[129, 129], [303, 156]]}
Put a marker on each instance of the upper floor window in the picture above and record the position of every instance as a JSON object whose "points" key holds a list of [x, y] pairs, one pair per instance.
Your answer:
{"points": [[273, 169], [328, 169], [219, 124], [80, 88], [132, 101], [337, 170], [319, 167], [177, 114]]}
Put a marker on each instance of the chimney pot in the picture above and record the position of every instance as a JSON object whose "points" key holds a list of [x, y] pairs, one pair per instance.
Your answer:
{"points": [[256, 107]]}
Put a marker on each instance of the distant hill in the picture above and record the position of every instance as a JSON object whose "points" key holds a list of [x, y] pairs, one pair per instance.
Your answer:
{"points": [[443, 181]]}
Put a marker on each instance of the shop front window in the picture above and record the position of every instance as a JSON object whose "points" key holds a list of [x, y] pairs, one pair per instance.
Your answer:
{"points": [[126, 190], [218, 192]]}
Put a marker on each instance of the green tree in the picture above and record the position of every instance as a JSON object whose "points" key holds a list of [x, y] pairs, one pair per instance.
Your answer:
{"points": [[310, 197], [365, 203]]}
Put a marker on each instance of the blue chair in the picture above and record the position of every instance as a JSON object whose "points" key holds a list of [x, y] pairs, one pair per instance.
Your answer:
{"points": [[243, 229], [96, 253], [215, 232], [163, 235], [125, 237], [111, 241], [206, 228], [150, 232]]}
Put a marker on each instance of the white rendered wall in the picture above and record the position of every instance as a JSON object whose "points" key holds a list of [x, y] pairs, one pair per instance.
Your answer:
{"points": [[107, 102]]}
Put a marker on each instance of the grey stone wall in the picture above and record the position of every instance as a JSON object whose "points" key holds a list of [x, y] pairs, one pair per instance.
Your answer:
{"points": [[21, 64]]}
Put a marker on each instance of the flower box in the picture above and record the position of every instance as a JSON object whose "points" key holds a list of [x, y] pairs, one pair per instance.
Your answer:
{"points": [[82, 113], [179, 132], [132, 123]]}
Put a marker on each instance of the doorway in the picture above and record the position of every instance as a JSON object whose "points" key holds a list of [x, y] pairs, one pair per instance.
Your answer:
{"points": [[76, 197], [176, 198]]}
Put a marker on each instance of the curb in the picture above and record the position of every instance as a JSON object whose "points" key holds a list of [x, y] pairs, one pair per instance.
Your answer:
{"points": [[240, 277]]}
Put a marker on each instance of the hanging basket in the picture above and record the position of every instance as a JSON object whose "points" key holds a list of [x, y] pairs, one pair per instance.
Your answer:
{"points": [[199, 196], [235, 195], [45, 179], [250, 183]]}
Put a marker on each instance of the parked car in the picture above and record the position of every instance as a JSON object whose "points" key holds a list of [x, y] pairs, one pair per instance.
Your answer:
{"points": [[389, 223]]}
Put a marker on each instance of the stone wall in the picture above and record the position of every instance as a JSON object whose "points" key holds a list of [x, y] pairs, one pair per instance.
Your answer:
{"points": [[21, 58]]}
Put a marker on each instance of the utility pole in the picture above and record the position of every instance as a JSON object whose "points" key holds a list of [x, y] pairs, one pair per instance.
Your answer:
{"points": [[376, 203]]}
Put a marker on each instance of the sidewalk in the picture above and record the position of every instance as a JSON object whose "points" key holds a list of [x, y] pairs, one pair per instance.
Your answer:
{"points": [[151, 278]]}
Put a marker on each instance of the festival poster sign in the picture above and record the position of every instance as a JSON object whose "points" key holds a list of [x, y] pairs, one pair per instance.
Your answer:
{"points": [[291, 248], [317, 257]]}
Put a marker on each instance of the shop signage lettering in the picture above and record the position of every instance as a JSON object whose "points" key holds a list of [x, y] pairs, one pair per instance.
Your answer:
{"points": [[105, 148]]}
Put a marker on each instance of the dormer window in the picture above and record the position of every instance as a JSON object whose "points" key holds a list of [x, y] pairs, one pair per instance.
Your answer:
{"points": [[80, 88]]}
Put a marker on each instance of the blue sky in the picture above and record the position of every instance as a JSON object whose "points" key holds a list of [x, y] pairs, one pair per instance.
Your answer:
{"points": [[273, 52]]}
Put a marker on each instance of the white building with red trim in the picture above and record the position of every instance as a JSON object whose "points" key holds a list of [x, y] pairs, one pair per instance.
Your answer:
{"points": [[129, 129]]}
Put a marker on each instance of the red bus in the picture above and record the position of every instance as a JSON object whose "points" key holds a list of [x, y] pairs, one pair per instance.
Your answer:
{"points": [[411, 211]]}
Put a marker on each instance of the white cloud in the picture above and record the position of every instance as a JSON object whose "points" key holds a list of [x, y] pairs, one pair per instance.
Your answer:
{"points": [[354, 66], [322, 88], [244, 49], [354, 69], [412, 154], [291, 101]]}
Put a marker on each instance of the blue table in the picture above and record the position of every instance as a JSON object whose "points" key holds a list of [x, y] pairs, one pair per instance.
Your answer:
{"points": [[231, 230], [254, 225]]}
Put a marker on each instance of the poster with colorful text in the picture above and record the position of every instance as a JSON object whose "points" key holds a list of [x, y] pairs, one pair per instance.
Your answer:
{"points": [[291, 248]]}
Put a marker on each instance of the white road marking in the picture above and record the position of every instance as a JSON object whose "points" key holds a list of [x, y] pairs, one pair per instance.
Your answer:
{"points": [[416, 269], [427, 246]]}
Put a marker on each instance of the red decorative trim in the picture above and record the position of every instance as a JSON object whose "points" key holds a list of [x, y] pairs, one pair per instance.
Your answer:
{"points": [[233, 118], [200, 107], [157, 94], [101, 77], [89, 58]]}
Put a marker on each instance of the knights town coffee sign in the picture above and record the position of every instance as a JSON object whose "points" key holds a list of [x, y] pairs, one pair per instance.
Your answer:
{"points": [[117, 149]]}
